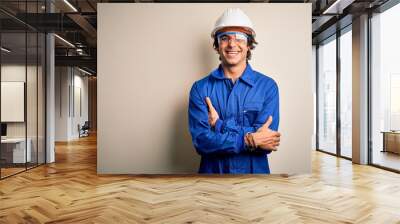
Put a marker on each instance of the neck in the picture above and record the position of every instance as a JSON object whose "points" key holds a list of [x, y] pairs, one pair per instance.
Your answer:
{"points": [[234, 72]]}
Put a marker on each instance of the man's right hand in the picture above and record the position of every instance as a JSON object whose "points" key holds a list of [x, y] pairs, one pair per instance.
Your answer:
{"points": [[212, 113], [264, 137]]}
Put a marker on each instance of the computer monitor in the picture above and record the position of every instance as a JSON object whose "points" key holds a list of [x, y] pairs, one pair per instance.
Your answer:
{"points": [[3, 129]]}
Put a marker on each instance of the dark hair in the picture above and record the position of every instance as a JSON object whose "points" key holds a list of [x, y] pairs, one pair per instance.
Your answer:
{"points": [[251, 43]]}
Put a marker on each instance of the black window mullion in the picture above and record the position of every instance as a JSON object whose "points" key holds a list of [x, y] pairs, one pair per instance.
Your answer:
{"points": [[338, 74], [45, 94], [317, 96], [369, 89], [26, 86], [37, 90]]}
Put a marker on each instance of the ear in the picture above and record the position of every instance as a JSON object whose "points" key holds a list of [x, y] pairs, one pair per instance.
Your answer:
{"points": [[248, 55], [216, 51]]}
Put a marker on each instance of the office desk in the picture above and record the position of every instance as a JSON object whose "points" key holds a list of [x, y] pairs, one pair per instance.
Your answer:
{"points": [[391, 141], [13, 150]]}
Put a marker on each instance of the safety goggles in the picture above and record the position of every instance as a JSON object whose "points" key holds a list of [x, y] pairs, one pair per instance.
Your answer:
{"points": [[238, 37]]}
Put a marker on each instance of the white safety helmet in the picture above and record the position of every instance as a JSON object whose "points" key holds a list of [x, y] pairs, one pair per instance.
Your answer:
{"points": [[233, 17]]}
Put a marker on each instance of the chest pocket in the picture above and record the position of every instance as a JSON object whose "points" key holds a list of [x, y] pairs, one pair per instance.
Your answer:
{"points": [[250, 112]]}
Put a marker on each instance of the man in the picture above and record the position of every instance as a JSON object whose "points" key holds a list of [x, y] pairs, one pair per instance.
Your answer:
{"points": [[234, 111]]}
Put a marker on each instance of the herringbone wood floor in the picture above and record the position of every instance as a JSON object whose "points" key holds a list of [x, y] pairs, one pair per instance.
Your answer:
{"points": [[69, 191]]}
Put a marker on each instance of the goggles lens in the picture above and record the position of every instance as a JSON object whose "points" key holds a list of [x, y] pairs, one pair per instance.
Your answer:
{"points": [[238, 37]]}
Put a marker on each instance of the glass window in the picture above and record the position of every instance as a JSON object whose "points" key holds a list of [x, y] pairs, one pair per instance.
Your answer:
{"points": [[346, 94], [385, 84], [327, 96]]}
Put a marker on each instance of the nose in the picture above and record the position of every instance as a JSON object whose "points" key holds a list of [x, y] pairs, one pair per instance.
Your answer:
{"points": [[231, 42]]}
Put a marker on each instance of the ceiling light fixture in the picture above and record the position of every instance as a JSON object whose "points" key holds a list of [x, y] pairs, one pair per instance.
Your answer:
{"points": [[5, 50], [70, 5], [64, 40], [84, 71], [337, 7]]}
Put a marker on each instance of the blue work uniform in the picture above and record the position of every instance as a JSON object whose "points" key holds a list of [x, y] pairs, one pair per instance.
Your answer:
{"points": [[243, 107]]}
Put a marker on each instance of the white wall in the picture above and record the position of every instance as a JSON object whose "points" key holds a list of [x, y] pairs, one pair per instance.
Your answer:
{"points": [[69, 81], [61, 103], [80, 109], [148, 62]]}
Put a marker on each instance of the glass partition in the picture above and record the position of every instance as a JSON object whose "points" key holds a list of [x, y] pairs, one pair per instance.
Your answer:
{"points": [[22, 77], [13, 94], [32, 95], [41, 107]]}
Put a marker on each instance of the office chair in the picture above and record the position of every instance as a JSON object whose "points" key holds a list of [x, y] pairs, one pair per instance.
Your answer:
{"points": [[84, 130]]}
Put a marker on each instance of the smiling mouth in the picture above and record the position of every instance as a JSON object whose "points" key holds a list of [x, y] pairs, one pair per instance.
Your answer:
{"points": [[232, 52]]}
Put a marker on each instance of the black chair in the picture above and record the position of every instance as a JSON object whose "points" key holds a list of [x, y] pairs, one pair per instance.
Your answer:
{"points": [[84, 130]]}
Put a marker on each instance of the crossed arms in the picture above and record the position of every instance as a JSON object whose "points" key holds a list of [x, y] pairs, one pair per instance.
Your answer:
{"points": [[208, 137]]}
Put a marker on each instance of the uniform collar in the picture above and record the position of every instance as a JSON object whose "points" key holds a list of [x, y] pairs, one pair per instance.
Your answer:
{"points": [[247, 76]]}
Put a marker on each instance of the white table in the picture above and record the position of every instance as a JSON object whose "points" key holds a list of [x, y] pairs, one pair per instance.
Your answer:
{"points": [[18, 145]]}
